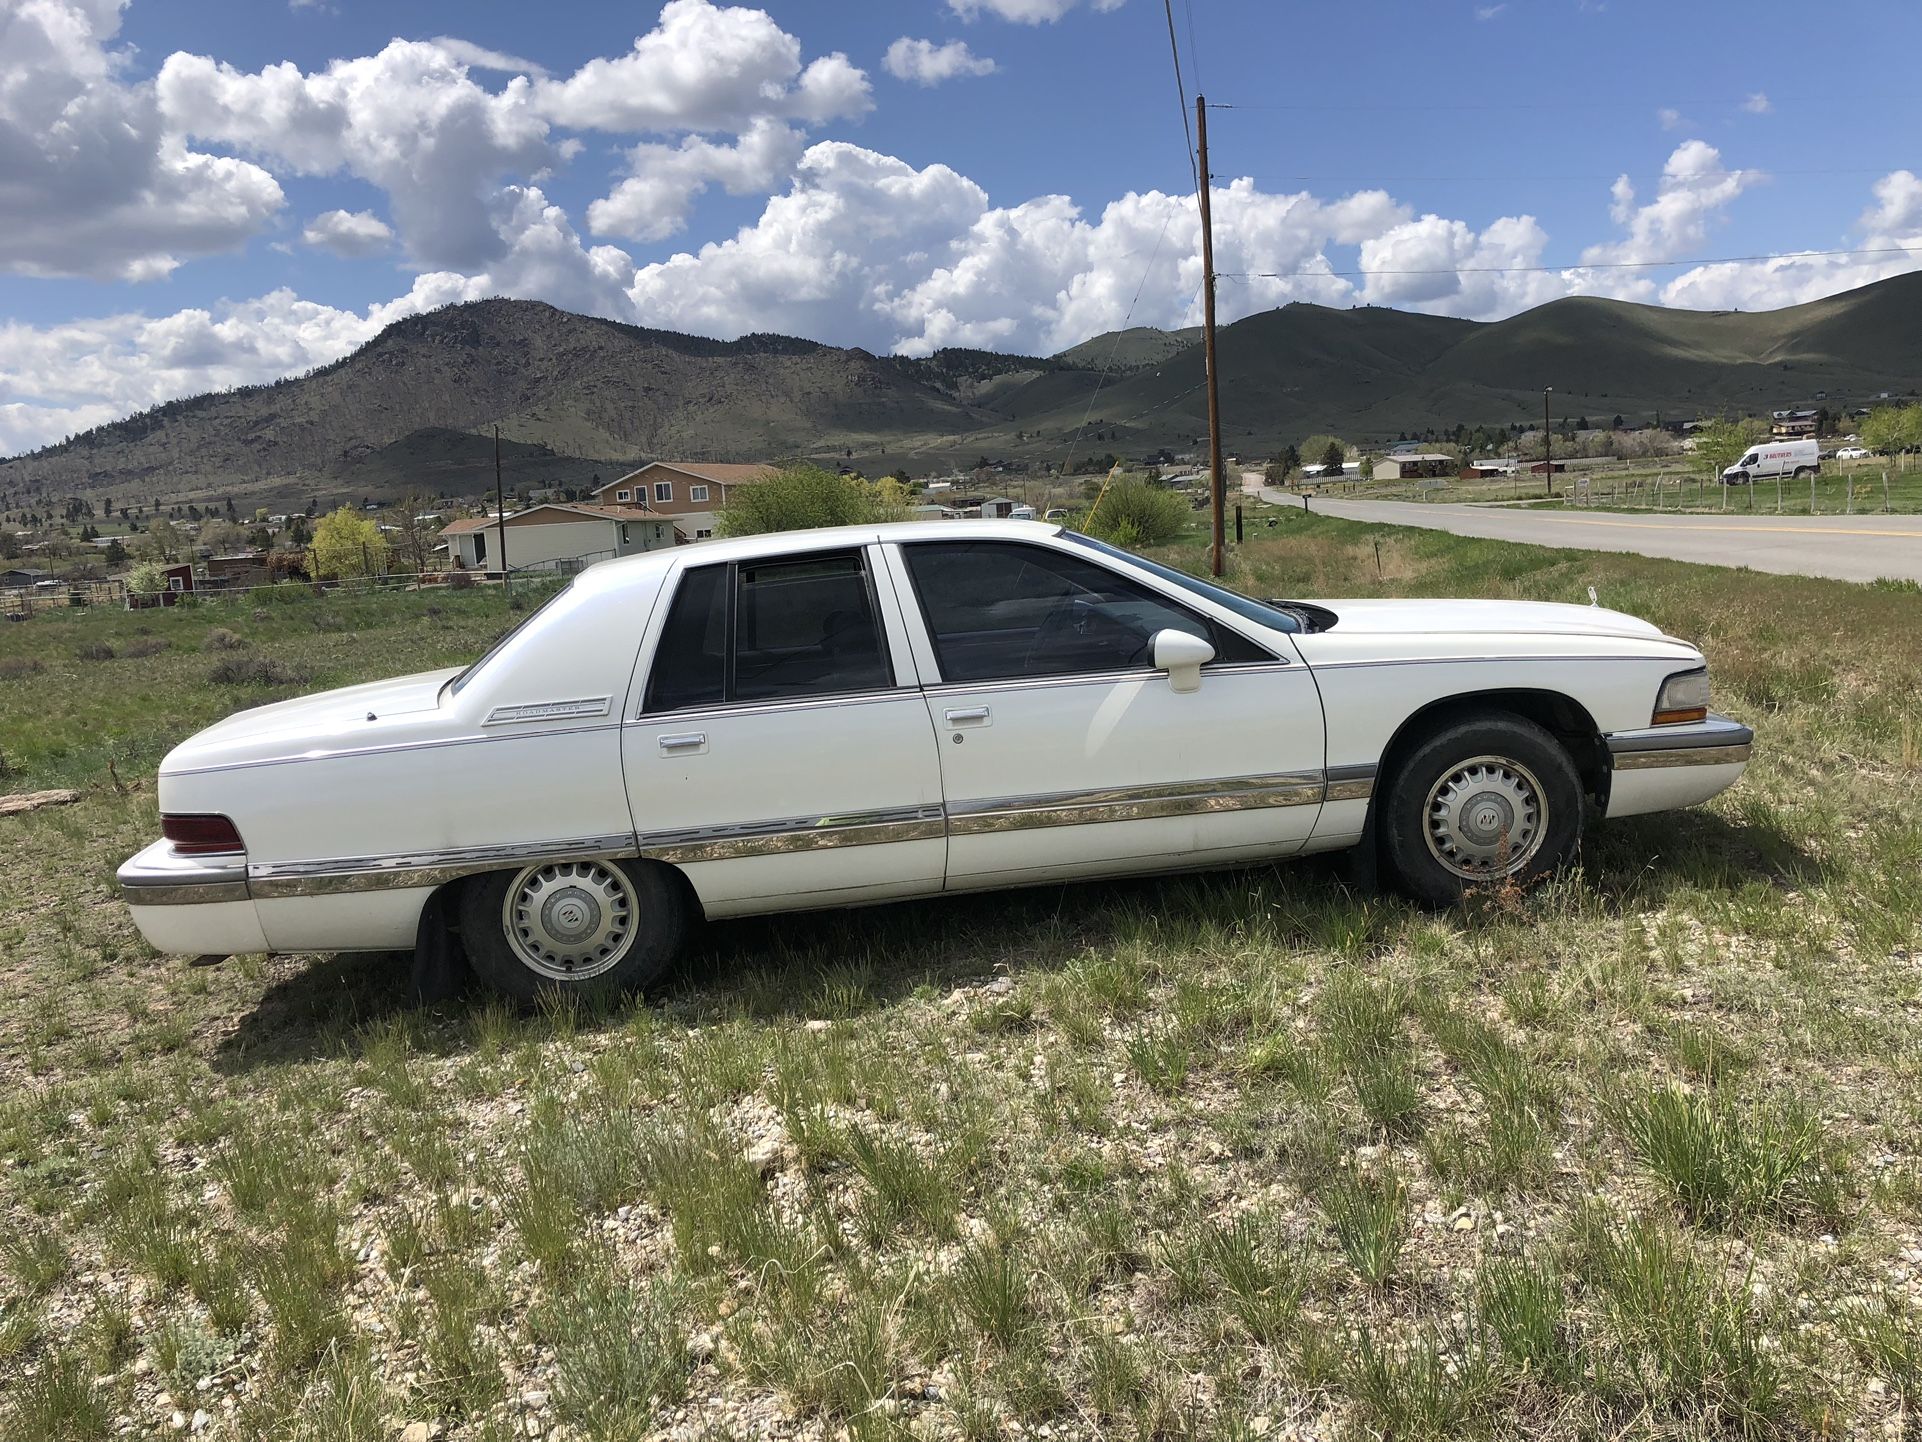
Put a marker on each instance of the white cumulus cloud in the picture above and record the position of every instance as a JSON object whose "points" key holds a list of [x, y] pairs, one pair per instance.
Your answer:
{"points": [[1691, 199], [1757, 104], [706, 67], [654, 201], [1025, 12], [348, 233], [92, 182], [925, 63]]}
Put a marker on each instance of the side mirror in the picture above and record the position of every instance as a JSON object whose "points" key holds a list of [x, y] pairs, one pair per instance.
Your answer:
{"points": [[1182, 656]]}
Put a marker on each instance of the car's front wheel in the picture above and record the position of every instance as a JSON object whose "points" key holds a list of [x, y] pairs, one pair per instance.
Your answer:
{"points": [[1485, 800], [572, 926]]}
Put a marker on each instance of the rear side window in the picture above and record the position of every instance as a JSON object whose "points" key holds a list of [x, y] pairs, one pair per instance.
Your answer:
{"points": [[769, 630], [690, 664]]}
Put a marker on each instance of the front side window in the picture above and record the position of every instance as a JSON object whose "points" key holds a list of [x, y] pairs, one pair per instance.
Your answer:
{"points": [[664, 490], [697, 493], [622, 495], [998, 610], [769, 630]]}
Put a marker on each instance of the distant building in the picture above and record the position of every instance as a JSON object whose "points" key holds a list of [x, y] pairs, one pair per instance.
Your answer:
{"points": [[561, 536], [1501, 466], [1414, 465], [1792, 425], [687, 492], [24, 576]]}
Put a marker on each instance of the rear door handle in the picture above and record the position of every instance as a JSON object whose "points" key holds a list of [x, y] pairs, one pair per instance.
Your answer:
{"points": [[687, 743], [970, 716]]}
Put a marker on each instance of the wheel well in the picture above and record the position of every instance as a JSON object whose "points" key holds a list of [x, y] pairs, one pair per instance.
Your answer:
{"points": [[448, 893], [1565, 719]]}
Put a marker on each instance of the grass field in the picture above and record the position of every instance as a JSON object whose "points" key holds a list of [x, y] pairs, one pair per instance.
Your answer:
{"points": [[1240, 1156], [1843, 488]]}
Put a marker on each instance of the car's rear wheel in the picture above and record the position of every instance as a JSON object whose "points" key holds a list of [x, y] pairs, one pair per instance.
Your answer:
{"points": [[1802, 472], [1488, 799], [572, 926]]}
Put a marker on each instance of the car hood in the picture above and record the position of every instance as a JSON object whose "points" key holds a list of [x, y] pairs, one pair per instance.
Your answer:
{"points": [[322, 722], [1544, 618]]}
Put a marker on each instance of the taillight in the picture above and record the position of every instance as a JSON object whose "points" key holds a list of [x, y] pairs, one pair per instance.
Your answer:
{"points": [[1683, 698], [200, 835]]}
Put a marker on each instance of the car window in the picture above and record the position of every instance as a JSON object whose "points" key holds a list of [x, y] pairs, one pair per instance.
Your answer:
{"points": [[690, 663], [998, 609], [767, 630], [1248, 608]]}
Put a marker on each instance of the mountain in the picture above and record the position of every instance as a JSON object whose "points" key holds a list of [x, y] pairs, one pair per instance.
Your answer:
{"points": [[576, 397]]}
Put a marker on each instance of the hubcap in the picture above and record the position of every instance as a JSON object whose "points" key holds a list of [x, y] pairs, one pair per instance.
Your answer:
{"points": [[570, 920], [1484, 818]]}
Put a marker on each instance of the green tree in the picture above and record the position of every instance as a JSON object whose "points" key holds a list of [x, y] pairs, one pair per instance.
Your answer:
{"points": [[147, 579], [1135, 514], [1891, 430], [803, 497], [346, 543], [163, 538], [1277, 471], [1332, 459], [116, 554]]}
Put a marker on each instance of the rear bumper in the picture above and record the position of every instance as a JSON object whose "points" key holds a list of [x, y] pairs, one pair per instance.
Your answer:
{"points": [[1663, 767], [191, 905]]}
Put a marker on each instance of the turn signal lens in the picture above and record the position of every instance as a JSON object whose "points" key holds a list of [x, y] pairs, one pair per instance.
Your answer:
{"points": [[1683, 698], [200, 835]]}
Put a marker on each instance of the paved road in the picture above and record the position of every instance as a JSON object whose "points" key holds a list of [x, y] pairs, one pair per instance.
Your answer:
{"points": [[1848, 548]]}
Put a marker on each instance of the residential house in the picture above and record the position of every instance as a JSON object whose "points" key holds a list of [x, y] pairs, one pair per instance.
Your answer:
{"points": [[559, 536], [24, 576], [686, 492]]}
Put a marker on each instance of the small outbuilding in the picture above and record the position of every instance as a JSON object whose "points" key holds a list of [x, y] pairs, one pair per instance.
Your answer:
{"points": [[1414, 465], [560, 537]]}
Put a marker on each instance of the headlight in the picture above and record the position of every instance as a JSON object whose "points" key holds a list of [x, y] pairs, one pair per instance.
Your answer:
{"points": [[1683, 697]]}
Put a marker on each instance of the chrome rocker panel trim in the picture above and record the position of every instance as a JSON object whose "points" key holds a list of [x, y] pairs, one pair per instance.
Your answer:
{"points": [[1718, 741], [266, 881]]}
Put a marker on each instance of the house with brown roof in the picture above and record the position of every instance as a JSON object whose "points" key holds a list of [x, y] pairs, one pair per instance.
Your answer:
{"points": [[562, 537], [689, 492]]}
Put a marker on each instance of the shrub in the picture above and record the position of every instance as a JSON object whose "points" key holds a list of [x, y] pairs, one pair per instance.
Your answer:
{"points": [[255, 671], [12, 668], [221, 639], [1134, 513], [460, 581], [802, 498], [144, 646], [95, 651]]}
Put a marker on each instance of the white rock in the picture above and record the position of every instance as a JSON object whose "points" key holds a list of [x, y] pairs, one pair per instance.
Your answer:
{"points": [[817, 1025], [200, 1420], [416, 1432], [534, 1398], [178, 1421]]}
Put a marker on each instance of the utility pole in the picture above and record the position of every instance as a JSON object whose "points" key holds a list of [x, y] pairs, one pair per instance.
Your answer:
{"points": [[1217, 484], [500, 510], [1548, 444]]}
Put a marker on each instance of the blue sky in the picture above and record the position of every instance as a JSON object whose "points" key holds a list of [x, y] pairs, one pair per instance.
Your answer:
{"points": [[218, 192]]}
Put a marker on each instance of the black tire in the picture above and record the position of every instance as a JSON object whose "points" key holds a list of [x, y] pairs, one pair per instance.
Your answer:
{"points": [[1740, 478], [1522, 763], [637, 896], [1802, 472]]}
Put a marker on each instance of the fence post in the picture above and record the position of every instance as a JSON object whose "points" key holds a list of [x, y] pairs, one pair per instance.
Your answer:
{"points": [[1850, 503], [1885, 493], [1778, 492], [1811, 493]]}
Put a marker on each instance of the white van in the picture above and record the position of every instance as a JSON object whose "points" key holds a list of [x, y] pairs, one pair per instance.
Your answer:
{"points": [[1770, 459]]}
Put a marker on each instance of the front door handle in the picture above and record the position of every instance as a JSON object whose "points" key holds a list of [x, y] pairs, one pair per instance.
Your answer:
{"points": [[686, 742], [970, 716]]}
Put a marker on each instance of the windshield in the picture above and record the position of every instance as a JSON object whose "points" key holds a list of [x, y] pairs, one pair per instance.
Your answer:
{"points": [[454, 686], [1259, 612]]}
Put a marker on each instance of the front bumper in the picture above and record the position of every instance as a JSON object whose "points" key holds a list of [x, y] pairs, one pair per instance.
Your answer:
{"points": [[1663, 767], [191, 905]]}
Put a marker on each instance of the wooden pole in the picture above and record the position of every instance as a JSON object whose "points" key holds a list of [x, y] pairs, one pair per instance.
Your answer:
{"points": [[1218, 484], [500, 509]]}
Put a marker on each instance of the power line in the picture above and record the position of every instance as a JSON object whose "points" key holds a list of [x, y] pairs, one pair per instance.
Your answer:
{"points": [[1181, 90], [1578, 265], [1371, 179]]}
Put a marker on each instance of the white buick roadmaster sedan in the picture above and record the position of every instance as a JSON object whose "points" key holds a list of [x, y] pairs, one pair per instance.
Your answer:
{"points": [[828, 718]]}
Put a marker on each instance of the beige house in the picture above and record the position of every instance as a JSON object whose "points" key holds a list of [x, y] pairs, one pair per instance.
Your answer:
{"points": [[561, 537], [688, 492]]}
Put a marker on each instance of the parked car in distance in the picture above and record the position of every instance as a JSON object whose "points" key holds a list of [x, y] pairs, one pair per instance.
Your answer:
{"points": [[836, 717], [1852, 453], [1768, 459]]}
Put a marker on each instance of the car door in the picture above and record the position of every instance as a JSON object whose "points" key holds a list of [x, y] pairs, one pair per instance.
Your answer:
{"points": [[777, 749], [1065, 752]]}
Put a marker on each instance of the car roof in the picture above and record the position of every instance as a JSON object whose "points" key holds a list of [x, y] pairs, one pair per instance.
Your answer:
{"points": [[631, 569]]}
